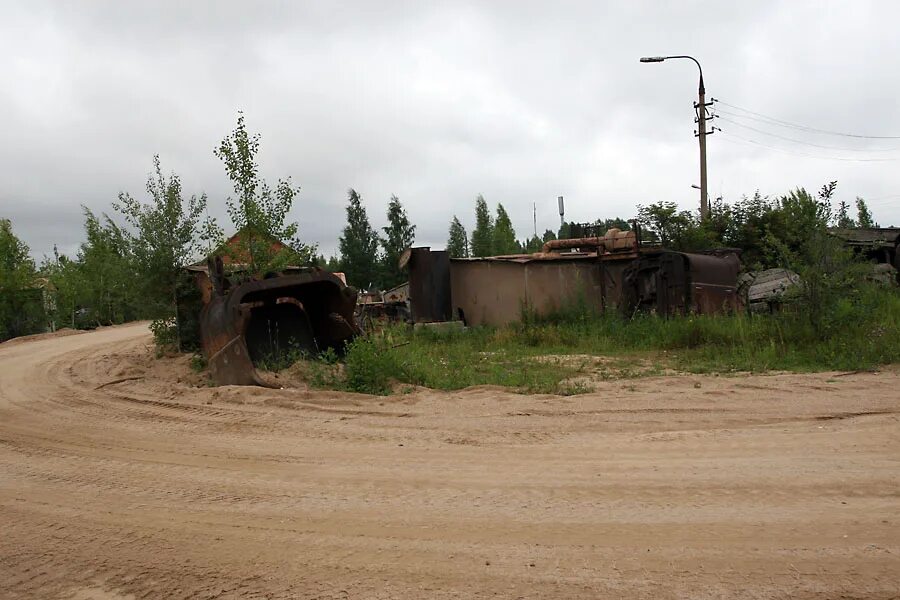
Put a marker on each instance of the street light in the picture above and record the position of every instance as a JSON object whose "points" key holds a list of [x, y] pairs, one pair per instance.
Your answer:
{"points": [[701, 130]]}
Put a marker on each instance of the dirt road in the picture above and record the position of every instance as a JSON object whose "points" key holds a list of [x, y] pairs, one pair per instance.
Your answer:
{"points": [[119, 481]]}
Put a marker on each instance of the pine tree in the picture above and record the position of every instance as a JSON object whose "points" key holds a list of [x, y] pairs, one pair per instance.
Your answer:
{"points": [[482, 241], [359, 246], [457, 242], [504, 234], [399, 235]]}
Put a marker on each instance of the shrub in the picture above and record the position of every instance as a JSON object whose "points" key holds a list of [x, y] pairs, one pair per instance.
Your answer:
{"points": [[165, 334], [371, 366]]}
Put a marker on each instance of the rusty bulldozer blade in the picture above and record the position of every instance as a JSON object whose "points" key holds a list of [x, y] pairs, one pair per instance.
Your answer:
{"points": [[246, 324]]}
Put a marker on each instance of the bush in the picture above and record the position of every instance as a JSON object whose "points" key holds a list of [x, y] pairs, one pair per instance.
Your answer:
{"points": [[165, 334], [371, 366], [198, 363]]}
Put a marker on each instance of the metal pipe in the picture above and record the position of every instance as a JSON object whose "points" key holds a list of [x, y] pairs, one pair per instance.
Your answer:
{"points": [[588, 242]]}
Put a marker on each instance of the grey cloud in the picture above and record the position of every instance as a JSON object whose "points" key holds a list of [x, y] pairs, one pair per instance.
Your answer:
{"points": [[434, 102]]}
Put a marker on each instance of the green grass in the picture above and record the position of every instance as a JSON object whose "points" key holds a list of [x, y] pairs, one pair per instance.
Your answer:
{"points": [[552, 354]]}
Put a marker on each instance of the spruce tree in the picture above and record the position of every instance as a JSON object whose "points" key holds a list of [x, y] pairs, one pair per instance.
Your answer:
{"points": [[483, 234], [359, 246], [457, 242], [504, 234], [399, 235]]}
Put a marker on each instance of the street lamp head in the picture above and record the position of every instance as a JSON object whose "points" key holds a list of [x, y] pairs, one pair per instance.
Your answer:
{"points": [[649, 59]]}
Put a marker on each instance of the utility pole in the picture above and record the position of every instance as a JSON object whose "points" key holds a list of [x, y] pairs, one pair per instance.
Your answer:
{"points": [[562, 212], [701, 133]]}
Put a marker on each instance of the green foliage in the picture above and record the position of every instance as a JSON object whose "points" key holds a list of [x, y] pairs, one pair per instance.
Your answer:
{"points": [[399, 235], [333, 264], [532, 245], [504, 234], [614, 223], [278, 357], [863, 215], [842, 218], [769, 232], [371, 366], [359, 246], [101, 287], [549, 234], [678, 230], [198, 363], [259, 212], [165, 334], [457, 241], [553, 353], [482, 241], [21, 304], [169, 232]]}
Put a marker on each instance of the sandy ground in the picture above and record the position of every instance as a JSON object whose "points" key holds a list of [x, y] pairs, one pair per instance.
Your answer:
{"points": [[120, 478]]}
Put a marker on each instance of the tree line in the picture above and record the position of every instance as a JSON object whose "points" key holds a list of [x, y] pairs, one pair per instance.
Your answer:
{"points": [[495, 235], [131, 265]]}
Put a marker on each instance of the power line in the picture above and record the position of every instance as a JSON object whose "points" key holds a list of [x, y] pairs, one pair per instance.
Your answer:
{"points": [[765, 122], [775, 121], [792, 152], [804, 142]]}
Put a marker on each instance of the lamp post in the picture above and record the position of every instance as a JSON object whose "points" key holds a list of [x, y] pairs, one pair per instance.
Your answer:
{"points": [[701, 129]]}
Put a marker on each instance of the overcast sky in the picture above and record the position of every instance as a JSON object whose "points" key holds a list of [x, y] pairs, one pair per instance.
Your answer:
{"points": [[437, 102]]}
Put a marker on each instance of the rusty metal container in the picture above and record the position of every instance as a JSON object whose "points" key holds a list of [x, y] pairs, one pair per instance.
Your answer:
{"points": [[429, 284], [672, 283]]}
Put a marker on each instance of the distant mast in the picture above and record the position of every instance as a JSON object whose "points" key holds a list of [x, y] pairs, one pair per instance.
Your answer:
{"points": [[562, 212]]}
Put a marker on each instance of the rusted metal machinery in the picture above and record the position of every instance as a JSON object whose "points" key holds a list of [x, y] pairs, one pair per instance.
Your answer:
{"points": [[606, 272], [672, 283], [241, 325], [612, 242]]}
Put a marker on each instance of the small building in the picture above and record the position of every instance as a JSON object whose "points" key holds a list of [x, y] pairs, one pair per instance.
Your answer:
{"points": [[880, 244]]}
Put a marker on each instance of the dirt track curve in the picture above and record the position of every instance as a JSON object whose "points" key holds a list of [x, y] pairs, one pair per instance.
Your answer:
{"points": [[119, 481]]}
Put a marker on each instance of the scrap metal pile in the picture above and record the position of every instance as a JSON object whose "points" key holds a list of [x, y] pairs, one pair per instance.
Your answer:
{"points": [[612, 271]]}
